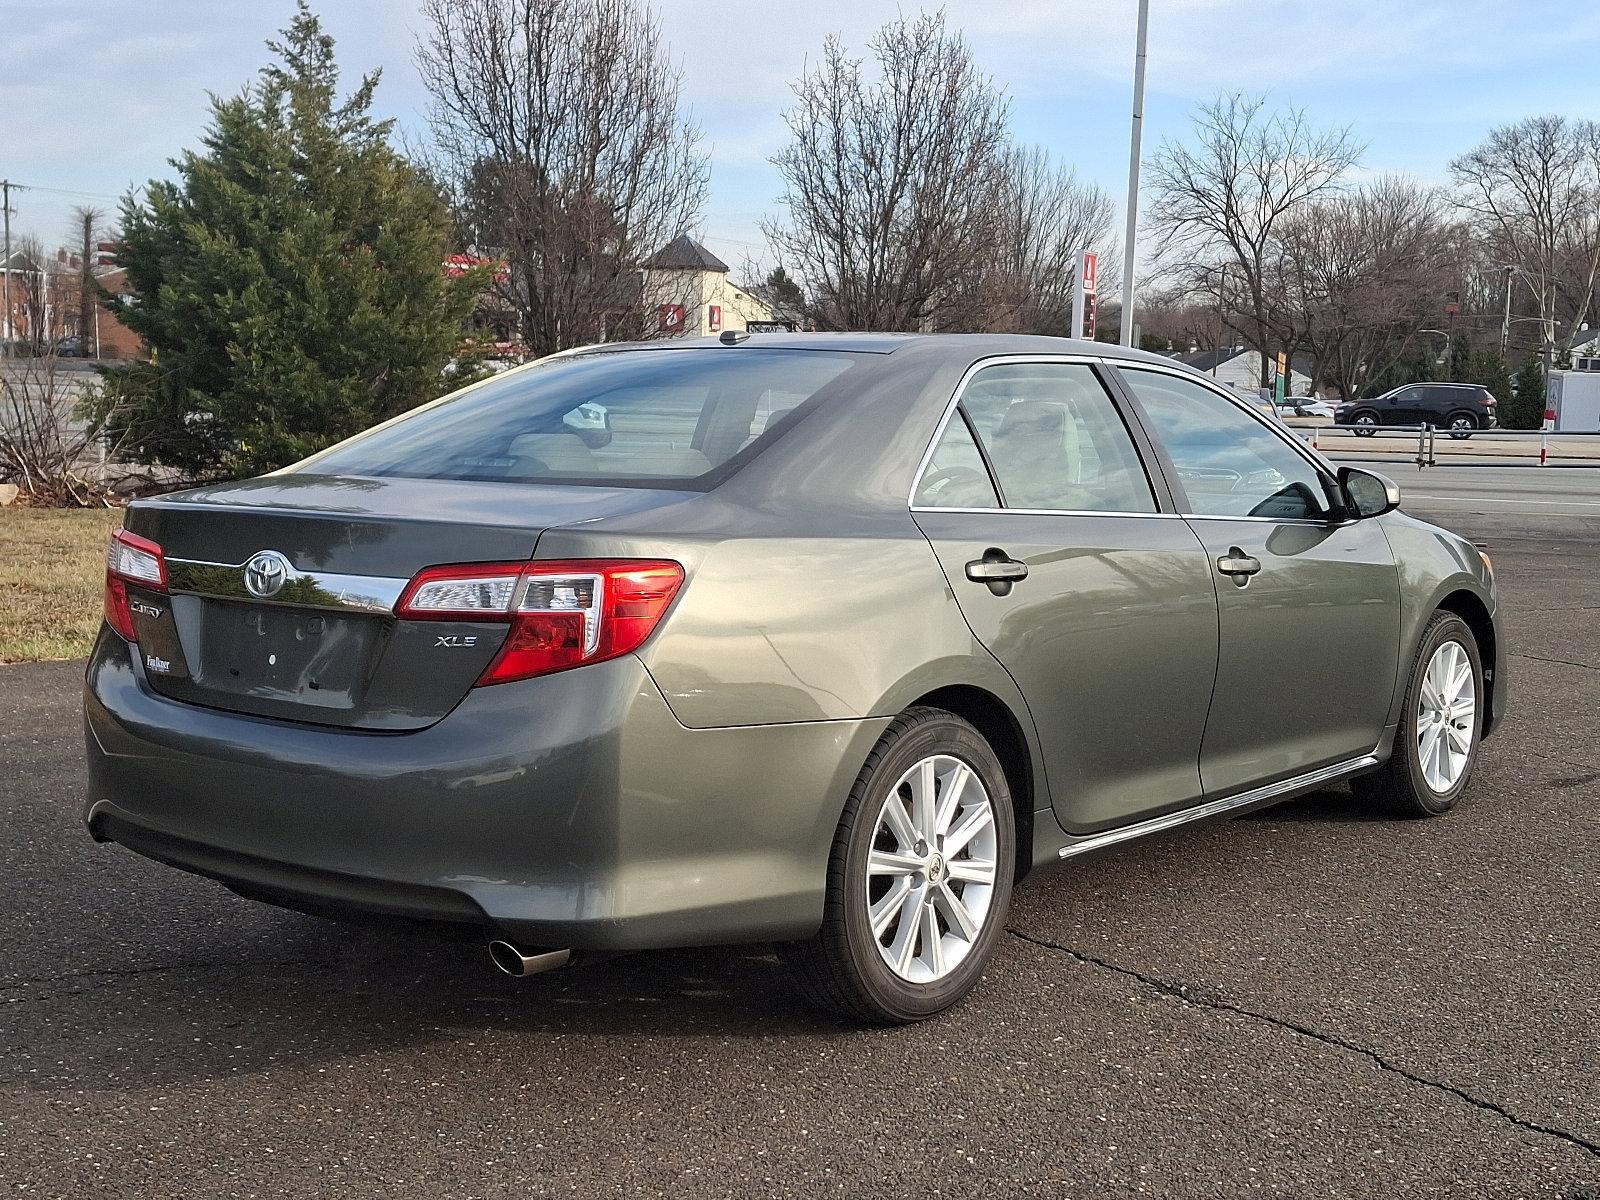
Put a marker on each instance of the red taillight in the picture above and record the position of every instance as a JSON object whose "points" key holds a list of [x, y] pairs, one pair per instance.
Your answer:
{"points": [[131, 559], [562, 614]]}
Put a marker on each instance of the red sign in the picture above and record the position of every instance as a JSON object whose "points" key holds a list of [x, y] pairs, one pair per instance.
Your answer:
{"points": [[669, 318], [1091, 272], [458, 265], [714, 317]]}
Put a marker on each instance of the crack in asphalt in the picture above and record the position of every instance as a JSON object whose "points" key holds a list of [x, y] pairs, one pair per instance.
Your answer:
{"points": [[1563, 662], [1188, 995], [1564, 762]]}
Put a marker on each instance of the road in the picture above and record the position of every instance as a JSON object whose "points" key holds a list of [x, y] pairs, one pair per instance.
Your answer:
{"points": [[1524, 503], [1311, 1001]]}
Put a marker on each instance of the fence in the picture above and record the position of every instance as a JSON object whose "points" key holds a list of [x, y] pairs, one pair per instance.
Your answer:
{"points": [[1423, 445]]}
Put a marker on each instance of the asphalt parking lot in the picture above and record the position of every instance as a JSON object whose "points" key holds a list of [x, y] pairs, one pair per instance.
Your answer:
{"points": [[1309, 1001]]}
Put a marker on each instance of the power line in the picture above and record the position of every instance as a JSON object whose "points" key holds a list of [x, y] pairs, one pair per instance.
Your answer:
{"points": [[38, 187]]}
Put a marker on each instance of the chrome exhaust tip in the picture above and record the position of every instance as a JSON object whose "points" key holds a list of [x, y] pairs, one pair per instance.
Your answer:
{"points": [[513, 960]]}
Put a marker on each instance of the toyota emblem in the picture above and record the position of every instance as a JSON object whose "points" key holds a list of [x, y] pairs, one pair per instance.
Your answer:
{"points": [[266, 573]]}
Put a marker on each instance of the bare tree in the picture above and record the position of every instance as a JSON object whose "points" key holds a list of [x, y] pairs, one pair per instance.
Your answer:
{"points": [[1532, 189], [891, 182], [51, 435], [557, 125], [1364, 272], [86, 222], [1185, 320], [1218, 205], [1046, 215]]}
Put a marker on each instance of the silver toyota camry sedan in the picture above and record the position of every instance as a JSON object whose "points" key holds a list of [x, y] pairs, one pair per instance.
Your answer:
{"points": [[819, 640]]}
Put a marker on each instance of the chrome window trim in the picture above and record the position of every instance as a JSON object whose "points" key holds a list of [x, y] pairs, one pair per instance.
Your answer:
{"points": [[1001, 360], [1254, 796], [375, 594], [1050, 512]]}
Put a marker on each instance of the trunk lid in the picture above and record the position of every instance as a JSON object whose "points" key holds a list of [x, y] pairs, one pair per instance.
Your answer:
{"points": [[282, 590]]}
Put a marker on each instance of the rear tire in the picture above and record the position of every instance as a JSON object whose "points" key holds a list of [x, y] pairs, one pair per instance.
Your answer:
{"points": [[919, 878], [1436, 746], [1462, 425]]}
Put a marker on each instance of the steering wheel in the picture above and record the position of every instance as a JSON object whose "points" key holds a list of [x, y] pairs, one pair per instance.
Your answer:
{"points": [[941, 479]]}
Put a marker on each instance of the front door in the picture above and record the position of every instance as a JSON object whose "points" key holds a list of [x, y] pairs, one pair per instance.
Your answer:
{"points": [[1099, 605], [1408, 406], [1308, 608]]}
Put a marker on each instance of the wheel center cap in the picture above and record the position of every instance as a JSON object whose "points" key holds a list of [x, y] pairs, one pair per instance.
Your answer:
{"points": [[936, 868]]}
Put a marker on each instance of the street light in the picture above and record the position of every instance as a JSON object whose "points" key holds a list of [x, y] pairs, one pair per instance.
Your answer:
{"points": [[1133, 173], [1447, 340]]}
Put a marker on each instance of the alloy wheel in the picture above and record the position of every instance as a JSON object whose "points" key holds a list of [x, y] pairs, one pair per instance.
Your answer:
{"points": [[931, 870], [1446, 716]]}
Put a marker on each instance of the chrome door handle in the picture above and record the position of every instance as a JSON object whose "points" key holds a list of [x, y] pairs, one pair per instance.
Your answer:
{"points": [[1004, 570], [1236, 563], [997, 570]]}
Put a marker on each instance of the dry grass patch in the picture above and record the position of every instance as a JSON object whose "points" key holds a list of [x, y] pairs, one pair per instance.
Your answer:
{"points": [[52, 576]]}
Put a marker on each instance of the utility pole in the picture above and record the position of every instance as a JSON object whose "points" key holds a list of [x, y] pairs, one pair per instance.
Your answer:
{"points": [[1128, 241], [5, 207], [1505, 325]]}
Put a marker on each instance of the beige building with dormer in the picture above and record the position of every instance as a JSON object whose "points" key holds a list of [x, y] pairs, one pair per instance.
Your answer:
{"points": [[689, 289]]}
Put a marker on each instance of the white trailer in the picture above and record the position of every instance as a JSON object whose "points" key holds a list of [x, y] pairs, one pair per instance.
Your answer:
{"points": [[1572, 402]]}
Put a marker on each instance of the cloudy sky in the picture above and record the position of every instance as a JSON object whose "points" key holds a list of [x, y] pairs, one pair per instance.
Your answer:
{"points": [[98, 95]]}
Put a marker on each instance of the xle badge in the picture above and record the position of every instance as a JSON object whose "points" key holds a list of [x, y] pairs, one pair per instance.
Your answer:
{"points": [[456, 639]]}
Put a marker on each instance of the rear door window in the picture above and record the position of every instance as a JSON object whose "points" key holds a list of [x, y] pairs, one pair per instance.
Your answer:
{"points": [[1055, 440], [956, 475], [649, 418]]}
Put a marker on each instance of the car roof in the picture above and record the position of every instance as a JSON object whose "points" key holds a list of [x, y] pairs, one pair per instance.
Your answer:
{"points": [[975, 344]]}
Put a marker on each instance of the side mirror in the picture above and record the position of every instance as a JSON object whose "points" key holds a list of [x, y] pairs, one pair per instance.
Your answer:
{"points": [[1368, 494]]}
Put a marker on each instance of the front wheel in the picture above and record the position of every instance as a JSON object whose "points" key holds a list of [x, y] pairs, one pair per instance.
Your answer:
{"points": [[1436, 746], [919, 879], [1366, 424]]}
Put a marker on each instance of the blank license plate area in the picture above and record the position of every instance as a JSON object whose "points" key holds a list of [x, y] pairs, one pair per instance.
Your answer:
{"points": [[308, 657]]}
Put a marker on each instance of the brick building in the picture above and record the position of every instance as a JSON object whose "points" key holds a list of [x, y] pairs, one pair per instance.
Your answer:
{"points": [[39, 304]]}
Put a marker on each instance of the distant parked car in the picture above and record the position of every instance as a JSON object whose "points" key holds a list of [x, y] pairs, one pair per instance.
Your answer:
{"points": [[69, 347], [1460, 408], [1306, 406]]}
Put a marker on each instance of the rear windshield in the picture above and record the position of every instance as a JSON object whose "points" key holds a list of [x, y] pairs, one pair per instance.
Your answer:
{"points": [[683, 418]]}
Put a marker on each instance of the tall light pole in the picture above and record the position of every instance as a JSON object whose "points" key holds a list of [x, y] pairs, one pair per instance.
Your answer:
{"points": [[1133, 174]]}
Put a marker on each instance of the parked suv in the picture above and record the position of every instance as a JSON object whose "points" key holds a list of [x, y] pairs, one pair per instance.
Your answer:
{"points": [[1461, 408]]}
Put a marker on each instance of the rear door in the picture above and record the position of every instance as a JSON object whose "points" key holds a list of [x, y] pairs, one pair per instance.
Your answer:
{"points": [[1069, 565], [1308, 607]]}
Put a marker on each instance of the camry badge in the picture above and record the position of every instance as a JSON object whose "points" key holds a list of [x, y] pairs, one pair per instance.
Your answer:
{"points": [[266, 573]]}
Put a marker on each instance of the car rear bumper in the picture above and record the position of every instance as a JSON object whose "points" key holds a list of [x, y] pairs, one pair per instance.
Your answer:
{"points": [[568, 811]]}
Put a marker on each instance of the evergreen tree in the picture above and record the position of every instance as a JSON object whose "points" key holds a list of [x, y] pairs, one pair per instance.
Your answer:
{"points": [[290, 283], [783, 295], [1525, 409], [1489, 368]]}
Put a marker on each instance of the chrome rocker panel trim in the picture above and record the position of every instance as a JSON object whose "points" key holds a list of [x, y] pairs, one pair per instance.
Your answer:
{"points": [[1254, 798]]}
